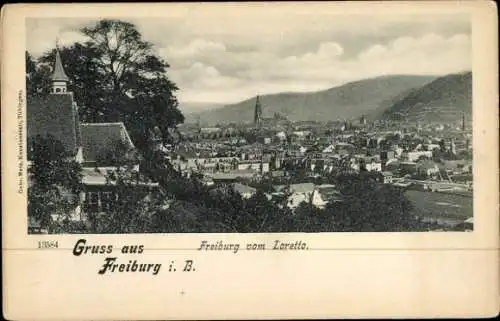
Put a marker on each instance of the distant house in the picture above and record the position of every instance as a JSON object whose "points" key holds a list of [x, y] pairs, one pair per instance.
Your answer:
{"points": [[427, 168], [456, 167], [245, 190], [233, 176], [408, 167], [387, 177], [264, 140], [374, 166], [280, 136], [277, 173], [329, 149], [343, 153], [387, 155], [255, 165], [398, 151], [305, 192], [207, 181], [330, 193], [431, 147], [385, 158], [392, 165], [414, 156], [344, 146], [302, 134], [370, 164]]}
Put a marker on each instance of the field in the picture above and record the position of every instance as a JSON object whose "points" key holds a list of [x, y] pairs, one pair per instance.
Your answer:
{"points": [[441, 206]]}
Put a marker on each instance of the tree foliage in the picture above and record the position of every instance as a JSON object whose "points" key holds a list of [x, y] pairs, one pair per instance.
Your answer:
{"points": [[55, 179], [37, 76], [52, 166], [116, 75], [369, 206], [131, 203]]}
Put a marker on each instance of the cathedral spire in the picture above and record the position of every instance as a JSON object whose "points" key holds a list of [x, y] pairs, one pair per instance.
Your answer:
{"points": [[258, 112], [59, 77]]}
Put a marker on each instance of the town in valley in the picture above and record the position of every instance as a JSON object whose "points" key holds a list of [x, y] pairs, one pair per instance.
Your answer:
{"points": [[112, 151]]}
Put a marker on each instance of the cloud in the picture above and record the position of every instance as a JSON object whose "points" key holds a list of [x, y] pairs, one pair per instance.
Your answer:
{"points": [[41, 34], [197, 50], [202, 76], [218, 74], [430, 54], [199, 79], [224, 58]]}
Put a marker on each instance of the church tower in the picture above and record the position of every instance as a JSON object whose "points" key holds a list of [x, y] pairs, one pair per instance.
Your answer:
{"points": [[258, 113], [59, 79]]}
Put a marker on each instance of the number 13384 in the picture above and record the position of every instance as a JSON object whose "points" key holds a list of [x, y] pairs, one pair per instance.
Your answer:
{"points": [[48, 244]]}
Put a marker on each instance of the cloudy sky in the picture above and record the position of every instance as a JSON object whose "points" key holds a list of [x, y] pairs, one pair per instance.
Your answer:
{"points": [[223, 59]]}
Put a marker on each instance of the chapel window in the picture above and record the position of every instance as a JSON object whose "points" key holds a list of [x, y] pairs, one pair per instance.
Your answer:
{"points": [[93, 202], [106, 201]]}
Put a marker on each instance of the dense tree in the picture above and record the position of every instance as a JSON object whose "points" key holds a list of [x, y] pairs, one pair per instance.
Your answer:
{"points": [[55, 179], [117, 76], [131, 205], [51, 165], [369, 206], [37, 77], [308, 218], [86, 79], [185, 217]]}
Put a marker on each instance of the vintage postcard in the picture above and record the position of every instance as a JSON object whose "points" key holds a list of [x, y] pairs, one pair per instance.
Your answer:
{"points": [[250, 160]]}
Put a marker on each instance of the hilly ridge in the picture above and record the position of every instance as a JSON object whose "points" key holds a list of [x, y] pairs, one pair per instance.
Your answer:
{"points": [[348, 101], [403, 97], [443, 100]]}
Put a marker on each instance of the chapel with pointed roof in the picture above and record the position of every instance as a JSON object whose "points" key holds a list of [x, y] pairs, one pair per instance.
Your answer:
{"points": [[56, 115]]}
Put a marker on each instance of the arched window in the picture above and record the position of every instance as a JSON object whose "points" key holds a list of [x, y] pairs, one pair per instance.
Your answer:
{"points": [[58, 90]]}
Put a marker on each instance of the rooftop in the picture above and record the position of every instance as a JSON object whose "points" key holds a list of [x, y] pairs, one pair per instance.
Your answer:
{"points": [[59, 74], [297, 188], [99, 138], [243, 189], [54, 115]]}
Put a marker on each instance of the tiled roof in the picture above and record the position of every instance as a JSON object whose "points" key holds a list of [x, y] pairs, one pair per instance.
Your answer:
{"points": [[302, 188], [92, 176], [297, 188], [99, 138], [242, 189], [53, 115], [59, 73]]}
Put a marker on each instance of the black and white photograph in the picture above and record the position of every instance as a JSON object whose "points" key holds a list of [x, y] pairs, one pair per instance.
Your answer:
{"points": [[250, 160], [355, 123]]}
